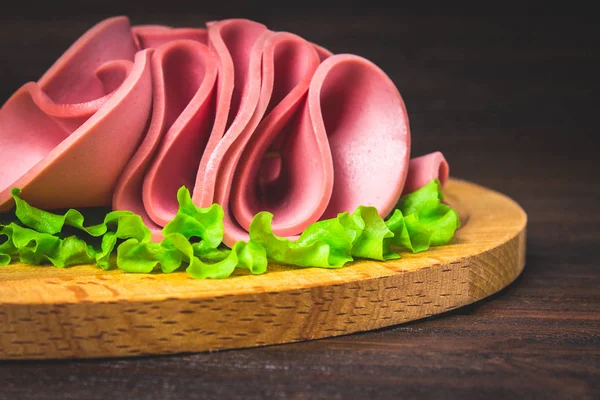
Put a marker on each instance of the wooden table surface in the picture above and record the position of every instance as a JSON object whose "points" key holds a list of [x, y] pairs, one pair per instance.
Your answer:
{"points": [[511, 103]]}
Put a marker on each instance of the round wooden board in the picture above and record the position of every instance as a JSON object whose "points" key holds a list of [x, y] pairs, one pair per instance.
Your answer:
{"points": [[84, 312]]}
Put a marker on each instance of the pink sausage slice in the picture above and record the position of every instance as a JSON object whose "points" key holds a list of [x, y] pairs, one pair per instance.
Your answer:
{"points": [[360, 109], [184, 75], [238, 45], [421, 170], [348, 146], [153, 36], [245, 117], [189, 98], [300, 178], [66, 140]]}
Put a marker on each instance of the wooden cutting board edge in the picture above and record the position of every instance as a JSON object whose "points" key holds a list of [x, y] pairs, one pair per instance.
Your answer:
{"points": [[83, 312]]}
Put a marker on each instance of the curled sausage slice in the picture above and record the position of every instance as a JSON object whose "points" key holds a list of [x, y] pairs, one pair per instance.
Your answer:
{"points": [[249, 118], [66, 139]]}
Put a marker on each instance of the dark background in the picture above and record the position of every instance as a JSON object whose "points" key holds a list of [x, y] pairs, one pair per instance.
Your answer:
{"points": [[509, 96]]}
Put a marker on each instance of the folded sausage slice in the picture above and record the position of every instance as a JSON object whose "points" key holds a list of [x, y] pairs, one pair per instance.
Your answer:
{"points": [[184, 74], [422, 169], [304, 183], [343, 138], [153, 36], [249, 118], [360, 109], [66, 139]]}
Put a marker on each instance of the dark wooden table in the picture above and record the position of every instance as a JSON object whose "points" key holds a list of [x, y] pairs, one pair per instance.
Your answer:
{"points": [[511, 102]]}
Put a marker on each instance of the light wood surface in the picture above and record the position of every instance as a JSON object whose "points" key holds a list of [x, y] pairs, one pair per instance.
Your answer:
{"points": [[84, 312]]}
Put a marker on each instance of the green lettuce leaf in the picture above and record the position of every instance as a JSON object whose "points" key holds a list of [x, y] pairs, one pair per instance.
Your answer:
{"points": [[39, 242], [127, 226], [7, 248], [47, 222], [193, 238], [45, 226], [175, 250], [420, 221], [34, 247], [324, 243], [194, 222], [204, 259]]}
